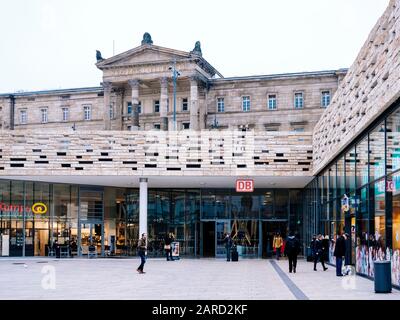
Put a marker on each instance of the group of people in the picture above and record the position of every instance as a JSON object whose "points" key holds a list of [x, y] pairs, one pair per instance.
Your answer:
{"points": [[142, 249], [320, 251]]}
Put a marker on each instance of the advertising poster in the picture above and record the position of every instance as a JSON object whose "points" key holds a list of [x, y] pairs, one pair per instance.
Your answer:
{"points": [[175, 250]]}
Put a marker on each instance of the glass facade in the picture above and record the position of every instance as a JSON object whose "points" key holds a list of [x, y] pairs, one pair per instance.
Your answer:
{"points": [[368, 174], [107, 219]]}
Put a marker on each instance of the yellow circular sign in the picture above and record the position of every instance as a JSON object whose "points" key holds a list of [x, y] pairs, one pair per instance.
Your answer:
{"points": [[39, 208]]}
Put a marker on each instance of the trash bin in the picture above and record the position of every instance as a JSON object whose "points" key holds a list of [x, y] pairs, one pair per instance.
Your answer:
{"points": [[309, 255], [383, 277]]}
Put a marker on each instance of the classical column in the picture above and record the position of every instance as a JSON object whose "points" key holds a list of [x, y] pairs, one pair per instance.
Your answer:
{"points": [[107, 86], [119, 108], [142, 206], [164, 104], [135, 103], [194, 104]]}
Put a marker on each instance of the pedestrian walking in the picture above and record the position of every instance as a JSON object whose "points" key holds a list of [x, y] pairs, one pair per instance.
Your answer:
{"points": [[228, 246], [167, 246], [292, 250], [319, 253], [142, 249], [339, 253], [277, 244]]}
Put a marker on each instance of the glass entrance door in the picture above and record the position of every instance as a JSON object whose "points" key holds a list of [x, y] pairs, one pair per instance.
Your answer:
{"points": [[222, 228], [90, 236], [269, 230]]}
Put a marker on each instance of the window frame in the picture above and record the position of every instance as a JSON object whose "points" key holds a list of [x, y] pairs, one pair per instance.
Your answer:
{"points": [[187, 104], [296, 93], [156, 103], [25, 111], [64, 119], [44, 115], [218, 104], [323, 98], [269, 99], [249, 103], [89, 108]]}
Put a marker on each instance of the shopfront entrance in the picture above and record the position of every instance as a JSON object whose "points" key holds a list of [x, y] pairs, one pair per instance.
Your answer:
{"points": [[269, 230]]}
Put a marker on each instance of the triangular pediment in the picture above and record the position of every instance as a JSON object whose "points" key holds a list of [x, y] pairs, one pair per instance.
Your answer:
{"points": [[142, 55]]}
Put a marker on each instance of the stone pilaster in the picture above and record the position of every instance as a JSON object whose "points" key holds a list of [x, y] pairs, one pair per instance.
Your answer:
{"points": [[107, 86], [164, 104], [135, 103], [194, 104]]}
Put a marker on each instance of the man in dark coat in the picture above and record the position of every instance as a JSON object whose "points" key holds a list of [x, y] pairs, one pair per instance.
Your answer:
{"points": [[339, 253], [319, 253], [292, 249]]}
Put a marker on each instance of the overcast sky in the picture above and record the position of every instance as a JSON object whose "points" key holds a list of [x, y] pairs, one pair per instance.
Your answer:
{"points": [[51, 44]]}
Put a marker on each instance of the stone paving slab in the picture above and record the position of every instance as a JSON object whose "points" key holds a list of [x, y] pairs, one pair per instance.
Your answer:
{"points": [[325, 285], [186, 279]]}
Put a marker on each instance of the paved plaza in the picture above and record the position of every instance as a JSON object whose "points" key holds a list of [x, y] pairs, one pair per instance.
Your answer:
{"points": [[193, 279]]}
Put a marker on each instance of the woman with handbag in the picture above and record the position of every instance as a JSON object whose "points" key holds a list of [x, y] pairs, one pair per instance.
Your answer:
{"points": [[167, 246]]}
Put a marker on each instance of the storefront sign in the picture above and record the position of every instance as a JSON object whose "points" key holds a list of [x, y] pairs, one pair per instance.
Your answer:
{"points": [[17, 211], [245, 185], [39, 208]]}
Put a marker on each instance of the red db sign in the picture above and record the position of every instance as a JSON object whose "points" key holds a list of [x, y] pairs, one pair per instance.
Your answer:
{"points": [[244, 185]]}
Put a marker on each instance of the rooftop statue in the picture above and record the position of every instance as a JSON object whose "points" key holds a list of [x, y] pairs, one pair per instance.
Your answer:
{"points": [[147, 39], [98, 56], [197, 49]]}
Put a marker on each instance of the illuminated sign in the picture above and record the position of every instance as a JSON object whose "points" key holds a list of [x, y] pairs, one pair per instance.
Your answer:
{"points": [[39, 208], [244, 185], [17, 210]]}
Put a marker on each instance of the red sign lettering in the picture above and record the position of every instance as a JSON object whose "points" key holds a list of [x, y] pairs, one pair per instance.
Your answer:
{"points": [[245, 185]]}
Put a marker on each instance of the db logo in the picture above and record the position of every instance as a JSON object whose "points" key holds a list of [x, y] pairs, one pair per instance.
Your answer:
{"points": [[244, 185], [39, 208]]}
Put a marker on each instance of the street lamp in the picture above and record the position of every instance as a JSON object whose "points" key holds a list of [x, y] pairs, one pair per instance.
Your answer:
{"points": [[175, 75]]}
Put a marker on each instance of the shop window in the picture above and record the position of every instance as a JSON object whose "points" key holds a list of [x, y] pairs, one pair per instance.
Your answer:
{"points": [[393, 142], [362, 162], [377, 152], [340, 177], [350, 164]]}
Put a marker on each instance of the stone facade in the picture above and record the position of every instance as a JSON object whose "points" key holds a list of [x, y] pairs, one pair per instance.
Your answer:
{"points": [[371, 85], [141, 80]]}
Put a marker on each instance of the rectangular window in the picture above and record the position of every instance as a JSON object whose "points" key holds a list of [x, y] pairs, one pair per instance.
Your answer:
{"points": [[298, 100], [185, 104], [156, 106], [157, 126], [298, 129], [87, 111], [325, 99], [185, 125], [139, 108], [43, 113], [129, 108], [221, 104], [65, 114], [22, 117], [272, 102], [246, 103], [111, 111]]}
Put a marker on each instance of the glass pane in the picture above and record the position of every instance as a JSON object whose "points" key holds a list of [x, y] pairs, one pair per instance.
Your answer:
{"points": [[393, 142], [362, 163], [351, 169], [377, 152]]}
